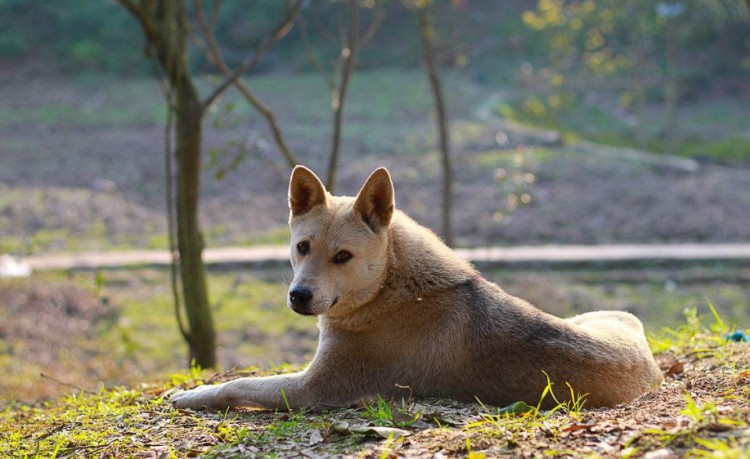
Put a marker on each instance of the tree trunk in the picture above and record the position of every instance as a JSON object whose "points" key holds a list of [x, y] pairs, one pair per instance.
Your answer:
{"points": [[189, 114], [428, 34]]}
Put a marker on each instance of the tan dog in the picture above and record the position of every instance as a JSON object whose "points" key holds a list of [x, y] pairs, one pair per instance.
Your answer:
{"points": [[397, 308]]}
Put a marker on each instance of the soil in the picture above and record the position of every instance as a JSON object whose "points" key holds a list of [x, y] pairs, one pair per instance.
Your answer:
{"points": [[44, 324], [106, 180]]}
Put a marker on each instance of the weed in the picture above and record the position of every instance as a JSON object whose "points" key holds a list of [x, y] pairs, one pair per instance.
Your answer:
{"points": [[473, 454], [387, 447], [379, 412], [682, 337], [697, 413], [383, 413], [717, 448]]}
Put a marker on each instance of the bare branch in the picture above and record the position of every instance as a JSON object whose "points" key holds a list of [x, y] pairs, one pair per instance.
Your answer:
{"points": [[377, 19], [265, 46], [130, 6], [313, 56], [64, 384], [144, 18], [215, 55], [215, 13], [212, 45]]}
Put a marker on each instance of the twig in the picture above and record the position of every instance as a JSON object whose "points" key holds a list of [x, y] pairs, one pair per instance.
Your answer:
{"points": [[372, 29], [352, 47], [143, 17], [313, 56], [173, 253], [64, 384], [214, 53], [427, 33], [251, 61], [78, 448]]}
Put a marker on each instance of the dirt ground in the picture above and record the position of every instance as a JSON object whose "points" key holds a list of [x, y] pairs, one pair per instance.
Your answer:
{"points": [[70, 184]]}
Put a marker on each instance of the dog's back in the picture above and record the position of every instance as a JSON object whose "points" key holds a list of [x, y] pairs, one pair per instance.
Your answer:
{"points": [[442, 330]]}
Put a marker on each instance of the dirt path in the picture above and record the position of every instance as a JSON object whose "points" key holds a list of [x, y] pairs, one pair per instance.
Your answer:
{"points": [[544, 254]]}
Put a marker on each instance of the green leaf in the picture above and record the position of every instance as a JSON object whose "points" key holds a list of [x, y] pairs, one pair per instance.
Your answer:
{"points": [[517, 408]]}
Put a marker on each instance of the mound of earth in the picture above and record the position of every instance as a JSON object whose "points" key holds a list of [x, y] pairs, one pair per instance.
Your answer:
{"points": [[41, 322]]}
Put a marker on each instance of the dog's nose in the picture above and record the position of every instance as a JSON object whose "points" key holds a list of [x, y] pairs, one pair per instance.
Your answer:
{"points": [[299, 298]]}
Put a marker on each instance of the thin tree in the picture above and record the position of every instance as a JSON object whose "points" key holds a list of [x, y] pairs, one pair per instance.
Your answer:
{"points": [[339, 78], [427, 33], [166, 27]]}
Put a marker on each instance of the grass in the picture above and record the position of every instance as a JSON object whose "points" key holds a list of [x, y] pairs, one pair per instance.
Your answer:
{"points": [[701, 412], [256, 329], [713, 130]]}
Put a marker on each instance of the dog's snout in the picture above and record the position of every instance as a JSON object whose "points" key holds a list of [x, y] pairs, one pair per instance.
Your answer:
{"points": [[299, 298]]}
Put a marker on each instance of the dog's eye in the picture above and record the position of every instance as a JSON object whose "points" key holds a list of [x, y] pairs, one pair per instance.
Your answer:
{"points": [[342, 256], [303, 247]]}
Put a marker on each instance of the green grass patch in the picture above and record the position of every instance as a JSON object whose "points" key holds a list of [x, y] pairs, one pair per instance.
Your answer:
{"points": [[703, 132]]}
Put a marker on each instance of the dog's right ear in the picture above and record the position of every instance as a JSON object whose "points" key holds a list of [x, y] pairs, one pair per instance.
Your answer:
{"points": [[305, 191]]}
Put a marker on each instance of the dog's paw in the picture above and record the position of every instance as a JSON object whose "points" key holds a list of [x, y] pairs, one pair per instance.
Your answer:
{"points": [[199, 398]]}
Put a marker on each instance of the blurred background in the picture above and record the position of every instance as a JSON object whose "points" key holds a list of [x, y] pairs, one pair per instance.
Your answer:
{"points": [[566, 122]]}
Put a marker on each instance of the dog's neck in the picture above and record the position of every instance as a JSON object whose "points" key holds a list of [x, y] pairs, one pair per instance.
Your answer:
{"points": [[419, 263], [419, 266]]}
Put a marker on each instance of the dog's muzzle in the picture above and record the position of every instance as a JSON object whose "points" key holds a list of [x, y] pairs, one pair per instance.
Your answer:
{"points": [[299, 299]]}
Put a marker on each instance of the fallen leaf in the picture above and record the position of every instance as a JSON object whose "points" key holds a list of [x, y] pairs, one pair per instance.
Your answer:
{"points": [[400, 417], [580, 426], [382, 432], [664, 453], [518, 408], [419, 424], [340, 427], [676, 368], [315, 438], [719, 427]]}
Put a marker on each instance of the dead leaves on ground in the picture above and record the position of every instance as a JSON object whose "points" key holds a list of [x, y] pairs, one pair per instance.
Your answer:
{"points": [[661, 424]]}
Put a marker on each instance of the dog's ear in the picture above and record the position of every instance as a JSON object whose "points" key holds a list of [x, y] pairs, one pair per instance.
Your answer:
{"points": [[375, 201], [305, 191]]}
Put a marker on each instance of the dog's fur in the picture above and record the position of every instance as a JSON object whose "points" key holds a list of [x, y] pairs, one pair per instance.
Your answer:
{"points": [[406, 312]]}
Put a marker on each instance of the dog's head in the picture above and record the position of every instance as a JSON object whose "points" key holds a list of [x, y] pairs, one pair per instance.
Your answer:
{"points": [[339, 244]]}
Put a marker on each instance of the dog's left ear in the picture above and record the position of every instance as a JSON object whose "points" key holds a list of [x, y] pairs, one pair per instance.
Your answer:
{"points": [[375, 201]]}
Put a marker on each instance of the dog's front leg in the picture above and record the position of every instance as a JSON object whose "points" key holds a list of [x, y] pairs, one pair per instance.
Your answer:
{"points": [[271, 392]]}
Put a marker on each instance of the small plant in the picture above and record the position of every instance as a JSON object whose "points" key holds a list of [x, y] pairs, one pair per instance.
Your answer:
{"points": [[693, 335], [572, 406], [380, 412], [697, 413], [717, 448], [473, 454], [383, 413]]}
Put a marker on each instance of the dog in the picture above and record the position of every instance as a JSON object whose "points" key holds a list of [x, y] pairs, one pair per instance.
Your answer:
{"points": [[399, 311]]}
